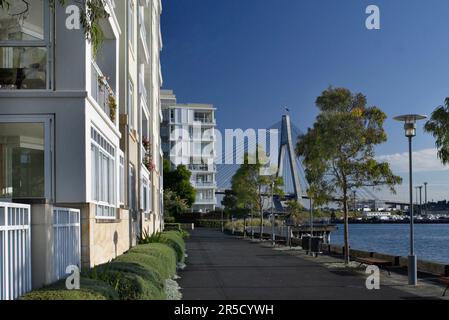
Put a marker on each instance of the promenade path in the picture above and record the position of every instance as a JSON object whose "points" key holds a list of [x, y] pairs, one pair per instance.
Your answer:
{"points": [[224, 267]]}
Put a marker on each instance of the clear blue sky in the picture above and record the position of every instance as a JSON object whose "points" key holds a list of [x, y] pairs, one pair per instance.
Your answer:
{"points": [[250, 57]]}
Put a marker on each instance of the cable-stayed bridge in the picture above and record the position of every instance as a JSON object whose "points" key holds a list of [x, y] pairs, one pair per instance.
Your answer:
{"points": [[284, 134]]}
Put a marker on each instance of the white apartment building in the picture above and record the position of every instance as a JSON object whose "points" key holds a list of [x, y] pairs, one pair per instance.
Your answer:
{"points": [[81, 131], [188, 135]]}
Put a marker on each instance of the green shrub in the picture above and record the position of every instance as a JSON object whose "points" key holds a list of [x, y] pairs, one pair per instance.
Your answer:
{"points": [[214, 224], [169, 219], [185, 234], [90, 289], [175, 240], [132, 281], [165, 253], [146, 237], [149, 262], [172, 226]]}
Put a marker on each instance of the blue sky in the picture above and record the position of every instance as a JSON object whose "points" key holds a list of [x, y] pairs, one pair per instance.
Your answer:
{"points": [[250, 57]]}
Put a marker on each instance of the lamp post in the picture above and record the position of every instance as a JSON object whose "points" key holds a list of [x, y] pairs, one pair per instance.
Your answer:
{"points": [[273, 220], [410, 132], [420, 200], [425, 197]]}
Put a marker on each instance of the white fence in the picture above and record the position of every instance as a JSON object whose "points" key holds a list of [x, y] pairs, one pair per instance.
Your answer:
{"points": [[15, 250], [67, 240]]}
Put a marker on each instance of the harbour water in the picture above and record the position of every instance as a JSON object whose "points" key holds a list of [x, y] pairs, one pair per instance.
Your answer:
{"points": [[431, 240]]}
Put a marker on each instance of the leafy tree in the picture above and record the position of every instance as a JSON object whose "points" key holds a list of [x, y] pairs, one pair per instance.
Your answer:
{"points": [[174, 205], [229, 201], [339, 150], [296, 212], [438, 126], [178, 181], [91, 14], [252, 187]]}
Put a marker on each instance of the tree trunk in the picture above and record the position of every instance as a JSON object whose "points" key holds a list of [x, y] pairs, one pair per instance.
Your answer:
{"points": [[346, 227], [261, 221]]}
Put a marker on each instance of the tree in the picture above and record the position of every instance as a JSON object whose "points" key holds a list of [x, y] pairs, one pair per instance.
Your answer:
{"points": [[174, 205], [438, 126], [252, 187], [178, 181], [339, 152], [296, 212], [229, 201], [91, 14]]}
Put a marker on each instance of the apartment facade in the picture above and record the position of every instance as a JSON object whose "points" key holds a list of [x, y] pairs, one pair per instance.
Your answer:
{"points": [[81, 131], [188, 135]]}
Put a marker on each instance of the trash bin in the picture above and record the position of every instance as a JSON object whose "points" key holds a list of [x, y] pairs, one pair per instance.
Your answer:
{"points": [[316, 244], [305, 242]]}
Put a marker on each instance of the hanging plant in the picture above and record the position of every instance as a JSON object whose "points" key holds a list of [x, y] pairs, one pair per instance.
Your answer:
{"points": [[112, 102], [147, 145]]}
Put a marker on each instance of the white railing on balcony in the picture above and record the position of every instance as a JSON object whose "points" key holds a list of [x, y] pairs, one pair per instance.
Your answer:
{"points": [[67, 240], [15, 250], [101, 90], [202, 167], [205, 184]]}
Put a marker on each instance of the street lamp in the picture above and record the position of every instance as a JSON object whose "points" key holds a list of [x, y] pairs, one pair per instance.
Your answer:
{"points": [[425, 197], [410, 131]]}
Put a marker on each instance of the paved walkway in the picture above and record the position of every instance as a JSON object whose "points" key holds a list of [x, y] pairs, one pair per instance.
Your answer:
{"points": [[223, 267]]}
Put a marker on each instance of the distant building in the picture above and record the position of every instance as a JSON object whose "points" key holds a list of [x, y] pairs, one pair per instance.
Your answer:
{"points": [[188, 137]]}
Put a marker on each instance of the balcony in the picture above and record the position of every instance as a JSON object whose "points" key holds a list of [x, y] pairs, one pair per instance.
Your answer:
{"points": [[102, 92], [210, 201], [202, 168], [143, 43], [204, 185]]}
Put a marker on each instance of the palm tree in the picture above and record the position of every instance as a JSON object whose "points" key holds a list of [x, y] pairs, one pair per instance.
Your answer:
{"points": [[438, 126]]}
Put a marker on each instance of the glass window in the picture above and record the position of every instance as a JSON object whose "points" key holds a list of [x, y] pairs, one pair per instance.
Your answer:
{"points": [[24, 45], [131, 104], [131, 23], [22, 21], [22, 160], [103, 179], [23, 68]]}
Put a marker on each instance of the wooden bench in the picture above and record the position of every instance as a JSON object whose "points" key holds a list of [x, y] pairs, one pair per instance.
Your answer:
{"points": [[445, 281], [375, 262]]}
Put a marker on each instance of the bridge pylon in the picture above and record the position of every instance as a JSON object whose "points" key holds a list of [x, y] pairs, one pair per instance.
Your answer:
{"points": [[286, 149]]}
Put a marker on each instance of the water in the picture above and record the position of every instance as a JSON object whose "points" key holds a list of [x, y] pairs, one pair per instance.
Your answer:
{"points": [[431, 240]]}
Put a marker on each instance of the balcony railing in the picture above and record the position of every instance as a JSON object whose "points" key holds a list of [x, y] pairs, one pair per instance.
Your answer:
{"points": [[102, 92], [205, 184], [202, 167]]}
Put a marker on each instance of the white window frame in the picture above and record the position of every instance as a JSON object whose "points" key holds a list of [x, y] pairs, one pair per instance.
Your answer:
{"points": [[45, 43], [131, 107], [122, 182], [111, 191], [48, 122], [131, 22]]}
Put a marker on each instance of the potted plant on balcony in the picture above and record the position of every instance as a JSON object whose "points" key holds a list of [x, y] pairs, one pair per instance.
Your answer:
{"points": [[111, 101]]}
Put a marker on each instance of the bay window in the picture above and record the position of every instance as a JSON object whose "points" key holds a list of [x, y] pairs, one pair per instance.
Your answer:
{"points": [[24, 45]]}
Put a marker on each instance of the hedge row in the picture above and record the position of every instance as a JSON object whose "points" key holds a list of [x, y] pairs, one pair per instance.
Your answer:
{"points": [[140, 274]]}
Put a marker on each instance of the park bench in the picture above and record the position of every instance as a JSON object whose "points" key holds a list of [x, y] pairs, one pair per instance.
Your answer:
{"points": [[445, 281], [375, 262]]}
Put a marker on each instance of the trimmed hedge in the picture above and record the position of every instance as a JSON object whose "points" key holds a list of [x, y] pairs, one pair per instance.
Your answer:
{"points": [[139, 274], [213, 224], [89, 290], [174, 239], [130, 281], [161, 251]]}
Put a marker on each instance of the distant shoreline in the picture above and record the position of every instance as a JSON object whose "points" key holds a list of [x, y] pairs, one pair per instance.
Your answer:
{"points": [[394, 222]]}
